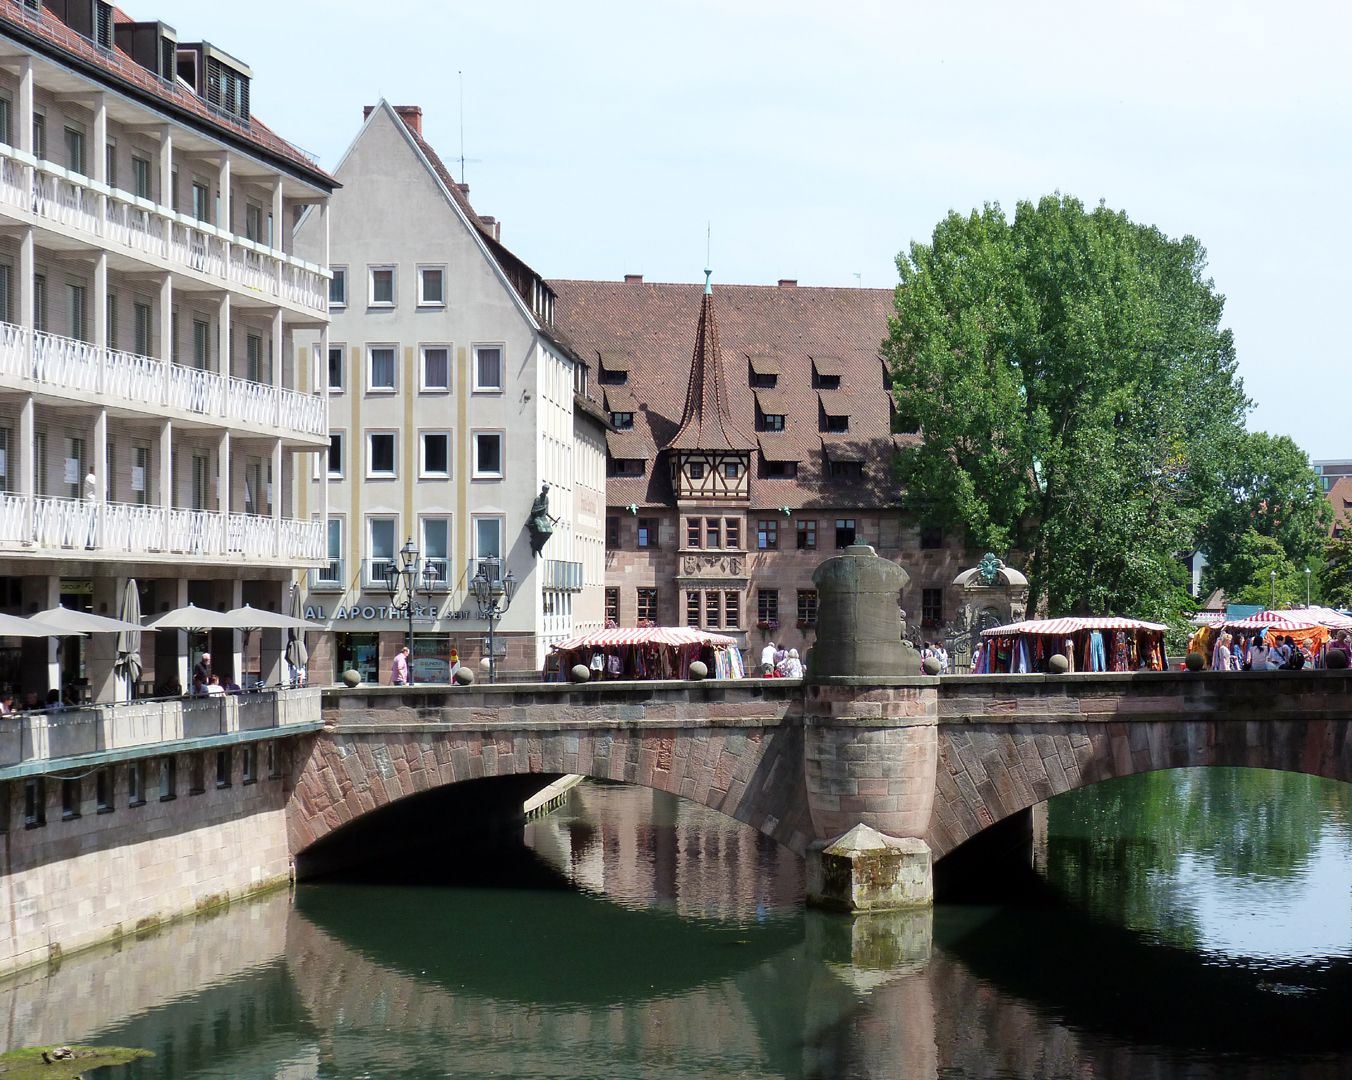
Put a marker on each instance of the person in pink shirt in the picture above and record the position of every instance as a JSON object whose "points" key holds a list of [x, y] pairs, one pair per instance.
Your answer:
{"points": [[399, 668]]}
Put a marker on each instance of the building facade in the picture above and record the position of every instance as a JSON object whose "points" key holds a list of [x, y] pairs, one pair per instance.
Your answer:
{"points": [[151, 417], [753, 437], [451, 407]]}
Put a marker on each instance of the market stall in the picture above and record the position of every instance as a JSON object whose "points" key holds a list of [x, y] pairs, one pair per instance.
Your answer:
{"points": [[1305, 626], [1090, 643], [647, 652]]}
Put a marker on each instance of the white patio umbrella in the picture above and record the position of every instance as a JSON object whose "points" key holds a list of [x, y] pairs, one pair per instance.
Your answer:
{"points": [[252, 618], [192, 617], [63, 621], [14, 626]]}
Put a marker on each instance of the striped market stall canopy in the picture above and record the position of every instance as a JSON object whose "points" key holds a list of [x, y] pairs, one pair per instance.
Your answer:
{"points": [[1071, 625], [618, 637]]}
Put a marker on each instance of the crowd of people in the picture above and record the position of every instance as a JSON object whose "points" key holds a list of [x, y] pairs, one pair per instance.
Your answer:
{"points": [[936, 650], [1263, 651], [777, 663]]}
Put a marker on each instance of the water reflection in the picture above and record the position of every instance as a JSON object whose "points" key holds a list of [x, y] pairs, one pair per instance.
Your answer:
{"points": [[646, 937]]}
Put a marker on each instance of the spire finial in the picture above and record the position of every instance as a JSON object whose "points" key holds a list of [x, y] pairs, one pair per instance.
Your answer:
{"points": [[708, 282]]}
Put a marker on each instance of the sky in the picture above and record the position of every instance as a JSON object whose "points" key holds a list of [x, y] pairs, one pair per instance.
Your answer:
{"points": [[816, 141]]}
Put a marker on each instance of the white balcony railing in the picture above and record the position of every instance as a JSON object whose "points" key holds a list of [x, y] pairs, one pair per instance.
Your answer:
{"points": [[52, 193], [85, 370], [45, 523]]}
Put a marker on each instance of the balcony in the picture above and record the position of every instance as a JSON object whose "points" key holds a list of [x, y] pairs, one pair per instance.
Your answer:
{"points": [[83, 372], [331, 577], [118, 219], [563, 576], [105, 729], [40, 524]]}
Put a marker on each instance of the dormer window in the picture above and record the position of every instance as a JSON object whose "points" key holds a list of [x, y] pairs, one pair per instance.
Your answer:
{"points": [[826, 372], [836, 424], [772, 422], [763, 382], [614, 370], [622, 421], [764, 372], [627, 466]]}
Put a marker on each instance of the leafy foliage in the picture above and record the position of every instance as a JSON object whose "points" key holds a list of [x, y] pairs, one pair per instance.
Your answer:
{"points": [[1075, 393], [1262, 573], [1335, 569]]}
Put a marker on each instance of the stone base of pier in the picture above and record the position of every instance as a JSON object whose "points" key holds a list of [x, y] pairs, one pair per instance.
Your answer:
{"points": [[865, 870]]}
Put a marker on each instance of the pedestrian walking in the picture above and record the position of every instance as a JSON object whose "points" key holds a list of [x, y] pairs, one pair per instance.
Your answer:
{"points": [[399, 668]]}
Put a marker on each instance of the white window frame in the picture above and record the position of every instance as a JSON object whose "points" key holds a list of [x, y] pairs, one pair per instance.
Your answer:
{"points": [[423, 301], [341, 386], [371, 270], [371, 388], [423, 472], [444, 574], [502, 367], [325, 461], [478, 473], [423, 386], [368, 561], [474, 534], [393, 474], [330, 559], [339, 274]]}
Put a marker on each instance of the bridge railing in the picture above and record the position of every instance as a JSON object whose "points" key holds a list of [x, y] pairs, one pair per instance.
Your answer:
{"points": [[97, 729]]}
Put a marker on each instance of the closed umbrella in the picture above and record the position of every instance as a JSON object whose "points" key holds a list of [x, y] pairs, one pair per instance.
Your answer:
{"points": [[297, 655], [128, 664]]}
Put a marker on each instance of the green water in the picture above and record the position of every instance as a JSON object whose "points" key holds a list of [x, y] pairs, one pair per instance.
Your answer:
{"points": [[1192, 924]]}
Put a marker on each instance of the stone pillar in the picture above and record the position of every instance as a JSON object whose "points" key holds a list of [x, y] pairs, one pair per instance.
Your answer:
{"points": [[870, 743]]}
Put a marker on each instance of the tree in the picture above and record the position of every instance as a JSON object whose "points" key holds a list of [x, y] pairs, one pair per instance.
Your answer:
{"points": [[1075, 394], [1271, 490], [1262, 573], [1335, 569]]}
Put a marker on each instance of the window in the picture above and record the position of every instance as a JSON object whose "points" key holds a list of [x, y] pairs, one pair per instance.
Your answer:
{"points": [[807, 607], [136, 783], [487, 367], [141, 325], [807, 535], [337, 369], [380, 454], [331, 574], [488, 464], [274, 760], [612, 606], [612, 376], [39, 302], [931, 607], [436, 455], [488, 538], [70, 798], [436, 552], [713, 532], [201, 344], [732, 533], [253, 222], [767, 534], [197, 774], [436, 369], [111, 321], [75, 150], [110, 164], [931, 537], [612, 532], [6, 292], [380, 368], [224, 768], [622, 421], [248, 764], [201, 201], [836, 424], [627, 467], [772, 421], [731, 470], [732, 610], [692, 608], [692, 532], [823, 381], [850, 470], [763, 380], [380, 548], [39, 136], [381, 286], [697, 470], [335, 455], [140, 176], [338, 287], [712, 610], [253, 359], [103, 791], [34, 802], [77, 309], [168, 779], [779, 470], [6, 121], [431, 286], [844, 532], [647, 532], [767, 608], [647, 606]]}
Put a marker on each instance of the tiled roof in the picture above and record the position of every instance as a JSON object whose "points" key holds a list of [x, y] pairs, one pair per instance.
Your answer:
{"points": [[51, 36], [707, 423], [653, 323], [1340, 501]]}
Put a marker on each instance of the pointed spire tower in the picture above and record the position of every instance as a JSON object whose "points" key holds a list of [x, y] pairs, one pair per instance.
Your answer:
{"points": [[710, 455]]}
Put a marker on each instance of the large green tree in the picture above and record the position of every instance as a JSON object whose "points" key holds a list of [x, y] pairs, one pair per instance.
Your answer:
{"points": [[1269, 488], [1075, 393], [1335, 568]]}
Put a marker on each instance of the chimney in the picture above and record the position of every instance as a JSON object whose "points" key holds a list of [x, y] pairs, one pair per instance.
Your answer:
{"points": [[411, 115], [633, 279], [788, 283], [492, 226]]}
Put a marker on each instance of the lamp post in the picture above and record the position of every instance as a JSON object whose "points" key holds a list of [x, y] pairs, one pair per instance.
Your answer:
{"points": [[405, 577], [1307, 586], [1272, 602], [493, 593]]}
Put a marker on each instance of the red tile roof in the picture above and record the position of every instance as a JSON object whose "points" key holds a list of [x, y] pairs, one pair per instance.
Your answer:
{"points": [[779, 328], [706, 423], [49, 35], [1340, 500]]}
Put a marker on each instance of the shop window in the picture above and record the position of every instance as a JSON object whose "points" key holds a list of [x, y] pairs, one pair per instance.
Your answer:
{"points": [[931, 607], [807, 535], [807, 607], [359, 653]]}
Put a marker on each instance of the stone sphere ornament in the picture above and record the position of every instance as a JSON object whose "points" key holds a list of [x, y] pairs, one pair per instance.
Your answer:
{"points": [[485, 663], [1335, 659], [352, 677], [931, 665], [580, 673], [463, 675], [1058, 664], [699, 670], [1195, 661]]}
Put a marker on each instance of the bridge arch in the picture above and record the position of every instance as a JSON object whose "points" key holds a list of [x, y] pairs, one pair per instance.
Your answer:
{"points": [[752, 774], [989, 772]]}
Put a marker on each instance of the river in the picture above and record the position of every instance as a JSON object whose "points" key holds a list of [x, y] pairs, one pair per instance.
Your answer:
{"points": [[1193, 924]]}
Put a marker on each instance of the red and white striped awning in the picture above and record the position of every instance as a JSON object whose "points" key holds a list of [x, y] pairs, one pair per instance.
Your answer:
{"points": [[1061, 627], [1269, 620], [621, 636]]}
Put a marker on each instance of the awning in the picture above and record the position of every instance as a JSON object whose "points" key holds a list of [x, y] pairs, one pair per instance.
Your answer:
{"points": [[618, 637], [1267, 620], [1056, 627]]}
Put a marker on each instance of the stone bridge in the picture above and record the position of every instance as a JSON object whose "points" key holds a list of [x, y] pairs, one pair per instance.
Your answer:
{"points": [[937, 760]]}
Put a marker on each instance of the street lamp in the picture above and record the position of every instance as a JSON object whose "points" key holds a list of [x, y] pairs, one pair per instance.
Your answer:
{"points": [[1272, 603], [1307, 586], [405, 578], [493, 594]]}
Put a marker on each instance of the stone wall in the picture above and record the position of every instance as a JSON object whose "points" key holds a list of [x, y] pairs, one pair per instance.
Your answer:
{"points": [[79, 880]]}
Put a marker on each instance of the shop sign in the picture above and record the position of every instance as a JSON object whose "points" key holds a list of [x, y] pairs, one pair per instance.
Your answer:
{"points": [[426, 613]]}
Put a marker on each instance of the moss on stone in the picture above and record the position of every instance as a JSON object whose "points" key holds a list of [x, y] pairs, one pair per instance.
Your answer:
{"points": [[27, 1064]]}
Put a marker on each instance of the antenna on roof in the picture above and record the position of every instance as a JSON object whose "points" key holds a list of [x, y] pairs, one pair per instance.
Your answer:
{"points": [[708, 240], [858, 280], [460, 78]]}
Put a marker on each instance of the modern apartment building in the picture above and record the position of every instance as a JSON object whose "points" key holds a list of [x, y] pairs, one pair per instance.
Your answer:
{"points": [[753, 435], [451, 404], [151, 416]]}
